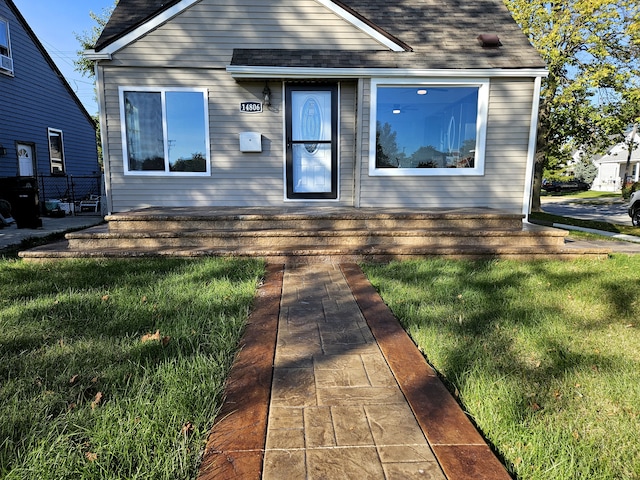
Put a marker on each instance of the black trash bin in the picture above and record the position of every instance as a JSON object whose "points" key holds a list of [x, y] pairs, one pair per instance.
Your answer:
{"points": [[22, 194]]}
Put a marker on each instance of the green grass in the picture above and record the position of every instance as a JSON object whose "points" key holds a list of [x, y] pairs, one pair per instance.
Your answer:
{"points": [[542, 355], [549, 219], [83, 396], [587, 194]]}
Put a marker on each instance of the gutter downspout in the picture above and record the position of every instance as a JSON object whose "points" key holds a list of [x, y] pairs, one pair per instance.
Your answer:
{"points": [[531, 150], [103, 135], [357, 163]]}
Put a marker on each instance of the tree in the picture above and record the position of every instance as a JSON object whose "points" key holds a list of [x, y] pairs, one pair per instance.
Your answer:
{"points": [[88, 39], [386, 146], [585, 171], [592, 90], [84, 66]]}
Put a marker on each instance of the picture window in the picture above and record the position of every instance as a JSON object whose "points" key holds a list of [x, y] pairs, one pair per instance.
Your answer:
{"points": [[428, 128]]}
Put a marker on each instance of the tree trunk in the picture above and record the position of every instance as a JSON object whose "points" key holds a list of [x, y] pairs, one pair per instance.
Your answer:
{"points": [[539, 162], [627, 169], [538, 168]]}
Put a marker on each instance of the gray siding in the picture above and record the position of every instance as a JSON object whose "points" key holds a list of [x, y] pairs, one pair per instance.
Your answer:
{"points": [[196, 47], [33, 100], [206, 34], [503, 183], [193, 49], [237, 179]]}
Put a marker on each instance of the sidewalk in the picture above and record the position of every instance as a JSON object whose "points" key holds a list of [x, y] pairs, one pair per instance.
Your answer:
{"points": [[12, 236], [341, 393]]}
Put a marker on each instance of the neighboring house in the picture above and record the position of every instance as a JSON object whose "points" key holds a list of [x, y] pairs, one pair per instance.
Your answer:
{"points": [[45, 132], [612, 166], [317, 102]]}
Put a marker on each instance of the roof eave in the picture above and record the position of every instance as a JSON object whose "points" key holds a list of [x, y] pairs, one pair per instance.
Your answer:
{"points": [[240, 72]]}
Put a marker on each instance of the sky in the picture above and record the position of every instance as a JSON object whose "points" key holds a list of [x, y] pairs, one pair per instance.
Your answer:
{"points": [[55, 24]]}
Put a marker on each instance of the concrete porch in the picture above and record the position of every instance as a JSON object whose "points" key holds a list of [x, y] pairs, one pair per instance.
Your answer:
{"points": [[314, 234]]}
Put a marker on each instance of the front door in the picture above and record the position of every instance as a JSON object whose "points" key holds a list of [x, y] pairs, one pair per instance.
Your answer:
{"points": [[312, 136], [26, 165]]}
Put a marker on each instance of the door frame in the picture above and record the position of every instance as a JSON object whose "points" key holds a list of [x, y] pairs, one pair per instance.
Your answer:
{"points": [[333, 88], [34, 163]]}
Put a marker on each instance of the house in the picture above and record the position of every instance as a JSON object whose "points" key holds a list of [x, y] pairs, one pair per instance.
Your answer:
{"points": [[612, 166], [45, 132], [329, 103]]}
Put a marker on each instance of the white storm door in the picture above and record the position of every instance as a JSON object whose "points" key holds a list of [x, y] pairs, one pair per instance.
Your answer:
{"points": [[311, 142], [25, 160]]}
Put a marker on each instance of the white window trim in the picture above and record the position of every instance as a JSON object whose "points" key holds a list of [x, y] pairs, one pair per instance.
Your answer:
{"points": [[166, 172], [57, 131], [481, 127], [3, 70]]}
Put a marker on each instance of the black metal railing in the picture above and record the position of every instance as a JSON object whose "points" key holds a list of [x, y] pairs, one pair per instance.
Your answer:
{"points": [[69, 190]]}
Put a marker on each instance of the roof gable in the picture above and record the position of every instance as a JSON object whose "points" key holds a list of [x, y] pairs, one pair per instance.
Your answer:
{"points": [[441, 32], [133, 18]]}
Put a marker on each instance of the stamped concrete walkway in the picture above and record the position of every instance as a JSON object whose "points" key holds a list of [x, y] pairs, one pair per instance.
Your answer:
{"points": [[340, 393]]}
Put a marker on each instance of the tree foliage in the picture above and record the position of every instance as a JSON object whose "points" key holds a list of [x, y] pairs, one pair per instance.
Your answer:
{"points": [[88, 39], [592, 90]]}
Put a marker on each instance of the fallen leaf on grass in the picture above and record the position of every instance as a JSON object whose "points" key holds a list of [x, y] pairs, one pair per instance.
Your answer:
{"points": [[151, 336], [96, 400], [187, 429], [157, 337], [92, 457], [105, 298], [73, 379], [535, 407]]}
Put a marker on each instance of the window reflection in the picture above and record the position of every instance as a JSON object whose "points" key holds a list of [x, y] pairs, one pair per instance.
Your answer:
{"points": [[165, 131], [426, 127]]}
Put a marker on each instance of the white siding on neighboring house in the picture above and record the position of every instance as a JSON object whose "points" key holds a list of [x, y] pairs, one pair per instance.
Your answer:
{"points": [[502, 184], [612, 166]]}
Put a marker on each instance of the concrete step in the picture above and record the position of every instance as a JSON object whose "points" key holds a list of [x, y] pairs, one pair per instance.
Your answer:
{"points": [[312, 235], [287, 238], [177, 219], [314, 254]]}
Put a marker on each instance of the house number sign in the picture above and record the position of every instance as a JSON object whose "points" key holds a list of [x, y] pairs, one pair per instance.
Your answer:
{"points": [[251, 107]]}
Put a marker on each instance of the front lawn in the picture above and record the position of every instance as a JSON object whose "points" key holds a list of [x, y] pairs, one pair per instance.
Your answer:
{"points": [[585, 194], [544, 356], [115, 369]]}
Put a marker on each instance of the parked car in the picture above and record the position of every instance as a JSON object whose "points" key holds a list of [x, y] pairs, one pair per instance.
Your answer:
{"points": [[569, 186], [634, 208]]}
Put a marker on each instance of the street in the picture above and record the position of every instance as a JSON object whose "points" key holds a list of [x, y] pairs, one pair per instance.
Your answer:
{"points": [[612, 210]]}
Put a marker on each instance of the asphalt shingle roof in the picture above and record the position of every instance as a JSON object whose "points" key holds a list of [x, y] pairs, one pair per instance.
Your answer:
{"points": [[437, 34]]}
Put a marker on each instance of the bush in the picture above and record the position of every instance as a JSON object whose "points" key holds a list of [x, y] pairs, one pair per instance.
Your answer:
{"points": [[629, 188]]}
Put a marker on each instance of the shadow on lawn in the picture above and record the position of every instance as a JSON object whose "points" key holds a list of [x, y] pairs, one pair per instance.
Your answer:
{"points": [[73, 330], [501, 324]]}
